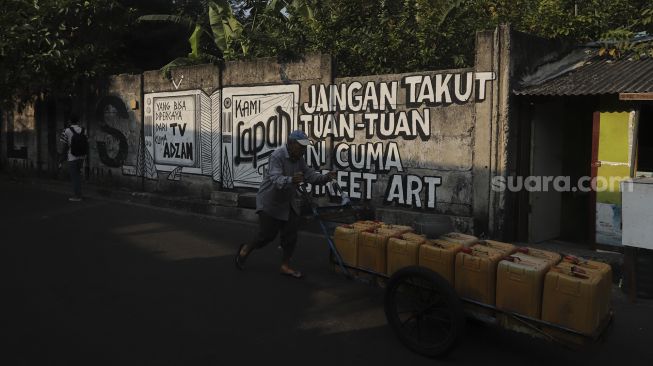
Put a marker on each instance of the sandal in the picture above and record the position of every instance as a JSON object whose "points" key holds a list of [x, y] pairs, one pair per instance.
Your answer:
{"points": [[293, 274], [239, 260]]}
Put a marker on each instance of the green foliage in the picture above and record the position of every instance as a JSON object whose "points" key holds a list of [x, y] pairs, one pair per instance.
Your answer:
{"points": [[392, 36], [214, 24], [627, 40], [276, 28], [647, 17], [52, 46], [622, 42], [226, 29]]}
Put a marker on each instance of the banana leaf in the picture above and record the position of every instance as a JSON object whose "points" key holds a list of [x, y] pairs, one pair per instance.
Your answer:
{"points": [[176, 19]]}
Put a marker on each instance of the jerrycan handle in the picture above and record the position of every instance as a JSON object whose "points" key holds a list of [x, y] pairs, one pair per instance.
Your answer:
{"points": [[580, 275], [486, 244], [571, 259], [476, 252], [514, 259], [580, 261], [436, 244], [576, 269], [572, 272]]}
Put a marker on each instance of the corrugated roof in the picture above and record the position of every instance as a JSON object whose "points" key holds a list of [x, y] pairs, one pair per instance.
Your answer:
{"points": [[597, 76]]}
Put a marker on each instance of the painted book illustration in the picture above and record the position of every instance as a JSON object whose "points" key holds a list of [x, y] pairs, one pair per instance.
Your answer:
{"points": [[228, 135]]}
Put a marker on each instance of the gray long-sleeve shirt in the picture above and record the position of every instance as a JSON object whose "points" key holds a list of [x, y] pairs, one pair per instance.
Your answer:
{"points": [[277, 195]]}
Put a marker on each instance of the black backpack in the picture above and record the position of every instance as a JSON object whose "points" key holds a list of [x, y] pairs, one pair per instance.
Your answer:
{"points": [[78, 143]]}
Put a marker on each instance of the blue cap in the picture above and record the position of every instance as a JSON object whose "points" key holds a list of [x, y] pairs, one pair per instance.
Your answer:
{"points": [[300, 137]]}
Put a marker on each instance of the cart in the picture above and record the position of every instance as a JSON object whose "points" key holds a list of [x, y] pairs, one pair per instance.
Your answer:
{"points": [[424, 310]]}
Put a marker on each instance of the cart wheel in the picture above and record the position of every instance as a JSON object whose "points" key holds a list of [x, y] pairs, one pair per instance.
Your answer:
{"points": [[424, 311]]}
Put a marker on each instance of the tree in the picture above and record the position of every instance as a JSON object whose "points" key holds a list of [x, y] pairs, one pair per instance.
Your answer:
{"points": [[276, 28], [213, 33], [228, 30], [392, 36], [384, 37], [50, 47]]}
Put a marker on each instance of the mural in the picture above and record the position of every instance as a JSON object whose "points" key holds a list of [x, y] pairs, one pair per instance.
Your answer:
{"points": [[364, 130], [113, 144], [255, 121], [228, 135], [368, 129], [178, 128], [113, 149]]}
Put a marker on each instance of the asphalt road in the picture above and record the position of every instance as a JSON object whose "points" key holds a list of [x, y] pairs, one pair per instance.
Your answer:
{"points": [[109, 283]]}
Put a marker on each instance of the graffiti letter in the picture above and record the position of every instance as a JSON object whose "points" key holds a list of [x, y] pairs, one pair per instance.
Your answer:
{"points": [[413, 189], [375, 156], [339, 97], [370, 97], [431, 184], [463, 97], [354, 185], [395, 192], [388, 96], [341, 152], [393, 160], [121, 155], [426, 92], [442, 88], [411, 82], [353, 89], [369, 179], [483, 78], [421, 124], [312, 97]]}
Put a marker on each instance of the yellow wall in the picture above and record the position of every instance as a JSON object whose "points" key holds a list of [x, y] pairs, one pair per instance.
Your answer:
{"points": [[614, 150]]}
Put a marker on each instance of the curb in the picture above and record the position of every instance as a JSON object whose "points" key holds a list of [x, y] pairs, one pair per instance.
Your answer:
{"points": [[185, 204], [189, 205]]}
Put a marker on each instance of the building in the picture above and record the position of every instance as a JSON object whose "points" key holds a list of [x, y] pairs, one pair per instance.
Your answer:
{"points": [[583, 115]]}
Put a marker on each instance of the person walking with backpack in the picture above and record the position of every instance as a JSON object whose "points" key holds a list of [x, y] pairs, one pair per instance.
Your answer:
{"points": [[75, 149]]}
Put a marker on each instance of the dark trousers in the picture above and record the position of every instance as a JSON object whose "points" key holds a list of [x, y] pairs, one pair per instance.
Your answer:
{"points": [[75, 170], [268, 229]]}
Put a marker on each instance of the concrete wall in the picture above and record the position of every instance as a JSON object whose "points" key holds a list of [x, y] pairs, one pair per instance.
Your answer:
{"points": [[113, 122], [413, 145], [517, 54], [18, 138], [431, 171], [192, 121], [198, 81]]}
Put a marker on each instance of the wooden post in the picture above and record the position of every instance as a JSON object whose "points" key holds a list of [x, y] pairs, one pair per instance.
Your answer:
{"points": [[630, 258], [596, 125], [635, 96]]}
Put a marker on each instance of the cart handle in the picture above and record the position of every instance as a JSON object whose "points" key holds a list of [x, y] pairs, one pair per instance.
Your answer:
{"points": [[302, 188], [345, 200]]}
